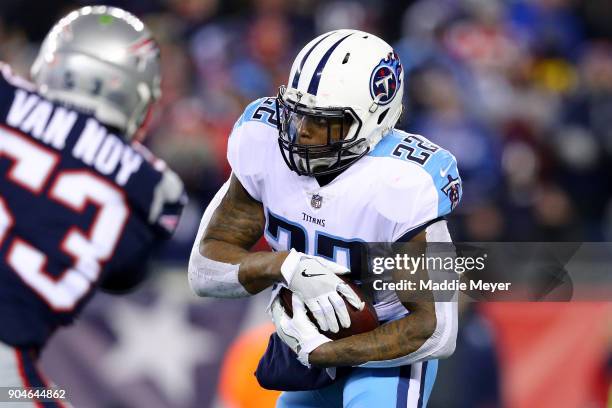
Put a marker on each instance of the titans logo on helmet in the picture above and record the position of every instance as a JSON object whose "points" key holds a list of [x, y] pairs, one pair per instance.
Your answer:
{"points": [[385, 79]]}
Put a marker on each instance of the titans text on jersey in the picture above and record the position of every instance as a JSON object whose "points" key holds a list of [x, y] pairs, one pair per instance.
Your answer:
{"points": [[404, 183]]}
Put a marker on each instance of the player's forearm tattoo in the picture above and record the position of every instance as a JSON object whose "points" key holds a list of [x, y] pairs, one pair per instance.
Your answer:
{"points": [[236, 225], [239, 219], [392, 340]]}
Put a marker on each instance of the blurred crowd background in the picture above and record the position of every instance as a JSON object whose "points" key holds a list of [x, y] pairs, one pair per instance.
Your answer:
{"points": [[520, 91]]}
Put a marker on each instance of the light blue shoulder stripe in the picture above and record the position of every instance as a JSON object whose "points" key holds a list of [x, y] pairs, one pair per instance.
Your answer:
{"points": [[249, 111], [386, 145], [440, 165]]}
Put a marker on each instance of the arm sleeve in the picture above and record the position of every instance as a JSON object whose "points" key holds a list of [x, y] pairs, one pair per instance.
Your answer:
{"points": [[166, 204], [442, 342], [439, 192], [208, 277], [125, 278], [247, 149], [169, 199]]}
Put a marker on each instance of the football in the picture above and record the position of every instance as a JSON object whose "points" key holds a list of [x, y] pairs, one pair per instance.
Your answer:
{"points": [[361, 321]]}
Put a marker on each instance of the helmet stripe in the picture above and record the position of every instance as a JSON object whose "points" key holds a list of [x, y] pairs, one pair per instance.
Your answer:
{"points": [[313, 87], [298, 72]]}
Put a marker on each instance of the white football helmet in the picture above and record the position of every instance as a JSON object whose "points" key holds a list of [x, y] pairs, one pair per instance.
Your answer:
{"points": [[103, 60], [353, 82]]}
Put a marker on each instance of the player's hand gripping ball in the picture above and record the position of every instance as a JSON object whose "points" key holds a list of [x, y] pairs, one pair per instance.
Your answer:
{"points": [[361, 320]]}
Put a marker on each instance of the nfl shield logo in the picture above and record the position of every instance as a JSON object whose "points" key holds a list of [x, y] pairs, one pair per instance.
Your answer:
{"points": [[316, 201]]}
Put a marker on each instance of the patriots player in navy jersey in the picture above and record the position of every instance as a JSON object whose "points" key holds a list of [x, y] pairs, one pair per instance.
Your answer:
{"points": [[82, 202]]}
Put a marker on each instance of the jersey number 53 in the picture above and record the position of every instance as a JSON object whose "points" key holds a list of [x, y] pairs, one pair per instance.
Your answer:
{"points": [[32, 168]]}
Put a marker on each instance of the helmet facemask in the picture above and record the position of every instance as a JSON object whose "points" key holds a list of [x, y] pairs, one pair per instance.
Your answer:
{"points": [[338, 126]]}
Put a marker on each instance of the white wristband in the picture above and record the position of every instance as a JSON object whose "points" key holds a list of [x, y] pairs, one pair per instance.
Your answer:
{"points": [[309, 345], [290, 264]]}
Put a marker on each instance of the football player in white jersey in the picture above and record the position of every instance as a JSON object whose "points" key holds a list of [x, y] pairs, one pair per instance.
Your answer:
{"points": [[320, 170]]}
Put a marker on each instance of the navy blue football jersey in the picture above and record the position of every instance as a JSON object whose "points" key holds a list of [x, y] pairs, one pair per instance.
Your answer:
{"points": [[79, 206]]}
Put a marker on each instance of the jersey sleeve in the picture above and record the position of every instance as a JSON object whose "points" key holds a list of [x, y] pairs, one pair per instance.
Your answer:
{"points": [[446, 181], [415, 196], [157, 193], [9, 83], [441, 191], [249, 144], [169, 199]]}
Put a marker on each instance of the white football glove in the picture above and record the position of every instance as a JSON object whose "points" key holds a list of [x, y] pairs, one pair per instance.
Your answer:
{"points": [[298, 332], [314, 280]]}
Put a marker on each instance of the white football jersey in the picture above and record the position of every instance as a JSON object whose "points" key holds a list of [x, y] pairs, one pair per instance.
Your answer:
{"points": [[405, 182]]}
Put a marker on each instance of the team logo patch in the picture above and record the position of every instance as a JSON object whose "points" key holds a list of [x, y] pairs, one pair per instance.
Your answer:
{"points": [[316, 201], [386, 79], [451, 189]]}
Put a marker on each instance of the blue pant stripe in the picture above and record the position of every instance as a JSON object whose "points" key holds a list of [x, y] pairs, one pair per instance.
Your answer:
{"points": [[30, 371], [403, 386], [422, 385], [430, 379], [33, 376]]}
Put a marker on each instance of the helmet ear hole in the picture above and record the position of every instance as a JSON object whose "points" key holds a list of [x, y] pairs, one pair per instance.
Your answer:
{"points": [[382, 116]]}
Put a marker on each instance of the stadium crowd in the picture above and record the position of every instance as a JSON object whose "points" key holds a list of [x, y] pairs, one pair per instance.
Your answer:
{"points": [[520, 91]]}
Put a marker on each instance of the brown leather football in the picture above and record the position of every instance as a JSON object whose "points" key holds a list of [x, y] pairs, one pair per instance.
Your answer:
{"points": [[361, 321]]}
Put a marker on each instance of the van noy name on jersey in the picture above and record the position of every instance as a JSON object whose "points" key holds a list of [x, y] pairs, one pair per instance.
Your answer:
{"points": [[52, 125]]}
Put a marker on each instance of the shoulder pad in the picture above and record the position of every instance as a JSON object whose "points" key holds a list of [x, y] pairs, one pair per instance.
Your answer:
{"points": [[252, 139], [423, 182], [15, 80], [157, 163], [262, 110]]}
